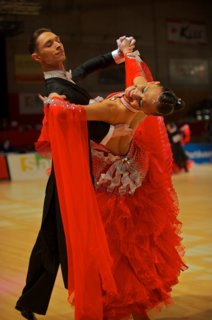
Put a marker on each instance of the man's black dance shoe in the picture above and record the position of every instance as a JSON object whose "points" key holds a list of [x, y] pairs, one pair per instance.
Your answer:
{"points": [[26, 313]]}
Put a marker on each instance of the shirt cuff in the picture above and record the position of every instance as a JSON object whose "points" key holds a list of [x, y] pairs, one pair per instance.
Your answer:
{"points": [[108, 136], [118, 56]]}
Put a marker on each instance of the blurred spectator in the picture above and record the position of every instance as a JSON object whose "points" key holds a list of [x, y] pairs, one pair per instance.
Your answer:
{"points": [[6, 147], [202, 110], [178, 137], [4, 124], [14, 125]]}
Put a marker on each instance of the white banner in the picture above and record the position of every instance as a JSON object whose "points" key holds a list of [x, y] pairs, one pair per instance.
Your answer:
{"points": [[27, 166], [186, 32], [189, 71], [29, 103]]}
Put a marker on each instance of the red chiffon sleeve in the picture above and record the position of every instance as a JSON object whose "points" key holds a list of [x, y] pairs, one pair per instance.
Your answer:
{"points": [[89, 262], [135, 67], [152, 133]]}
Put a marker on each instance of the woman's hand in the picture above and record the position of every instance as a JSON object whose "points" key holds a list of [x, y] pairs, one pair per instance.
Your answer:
{"points": [[51, 96]]}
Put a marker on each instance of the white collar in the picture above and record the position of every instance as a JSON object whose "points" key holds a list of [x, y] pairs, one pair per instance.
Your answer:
{"points": [[62, 74]]}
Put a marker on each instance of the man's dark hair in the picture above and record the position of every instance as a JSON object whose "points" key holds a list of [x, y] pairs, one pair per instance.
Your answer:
{"points": [[32, 46], [168, 102]]}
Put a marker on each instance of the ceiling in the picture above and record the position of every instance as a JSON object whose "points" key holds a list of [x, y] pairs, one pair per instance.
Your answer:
{"points": [[13, 11], [34, 7]]}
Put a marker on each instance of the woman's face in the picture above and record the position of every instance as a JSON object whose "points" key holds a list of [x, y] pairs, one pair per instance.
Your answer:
{"points": [[144, 97]]}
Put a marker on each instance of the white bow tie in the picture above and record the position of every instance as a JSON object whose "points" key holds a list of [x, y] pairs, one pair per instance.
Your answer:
{"points": [[67, 75]]}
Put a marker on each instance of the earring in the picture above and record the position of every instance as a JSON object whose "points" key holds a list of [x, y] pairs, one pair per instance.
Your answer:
{"points": [[140, 103]]}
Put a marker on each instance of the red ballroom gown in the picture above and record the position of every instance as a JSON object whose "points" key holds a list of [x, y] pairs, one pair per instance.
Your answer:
{"points": [[139, 209], [124, 254]]}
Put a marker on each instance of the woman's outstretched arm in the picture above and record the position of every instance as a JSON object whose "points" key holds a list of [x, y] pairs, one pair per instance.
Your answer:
{"points": [[106, 110]]}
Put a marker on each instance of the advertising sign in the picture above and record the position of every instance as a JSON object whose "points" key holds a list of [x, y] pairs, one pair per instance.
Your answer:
{"points": [[199, 152], [189, 71], [187, 32], [27, 166]]}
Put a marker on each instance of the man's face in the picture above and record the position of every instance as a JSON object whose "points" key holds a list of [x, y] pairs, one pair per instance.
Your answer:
{"points": [[49, 52]]}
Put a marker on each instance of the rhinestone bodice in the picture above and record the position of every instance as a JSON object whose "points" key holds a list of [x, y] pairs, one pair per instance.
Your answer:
{"points": [[119, 174]]}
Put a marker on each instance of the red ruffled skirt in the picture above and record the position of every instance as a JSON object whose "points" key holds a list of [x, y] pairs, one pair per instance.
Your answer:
{"points": [[143, 233], [144, 242]]}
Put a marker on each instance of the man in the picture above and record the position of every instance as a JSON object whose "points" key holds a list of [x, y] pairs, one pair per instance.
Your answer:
{"points": [[49, 250], [180, 158]]}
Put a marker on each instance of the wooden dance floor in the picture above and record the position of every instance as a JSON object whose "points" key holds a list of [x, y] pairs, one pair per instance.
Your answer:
{"points": [[20, 217]]}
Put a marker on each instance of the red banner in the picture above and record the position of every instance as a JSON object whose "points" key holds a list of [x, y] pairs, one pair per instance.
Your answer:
{"points": [[4, 173]]}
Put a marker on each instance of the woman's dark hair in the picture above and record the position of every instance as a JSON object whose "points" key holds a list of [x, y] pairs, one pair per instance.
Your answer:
{"points": [[32, 45], [168, 102]]}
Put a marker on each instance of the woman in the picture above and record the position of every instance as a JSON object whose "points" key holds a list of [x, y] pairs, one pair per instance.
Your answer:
{"points": [[136, 225], [178, 137]]}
